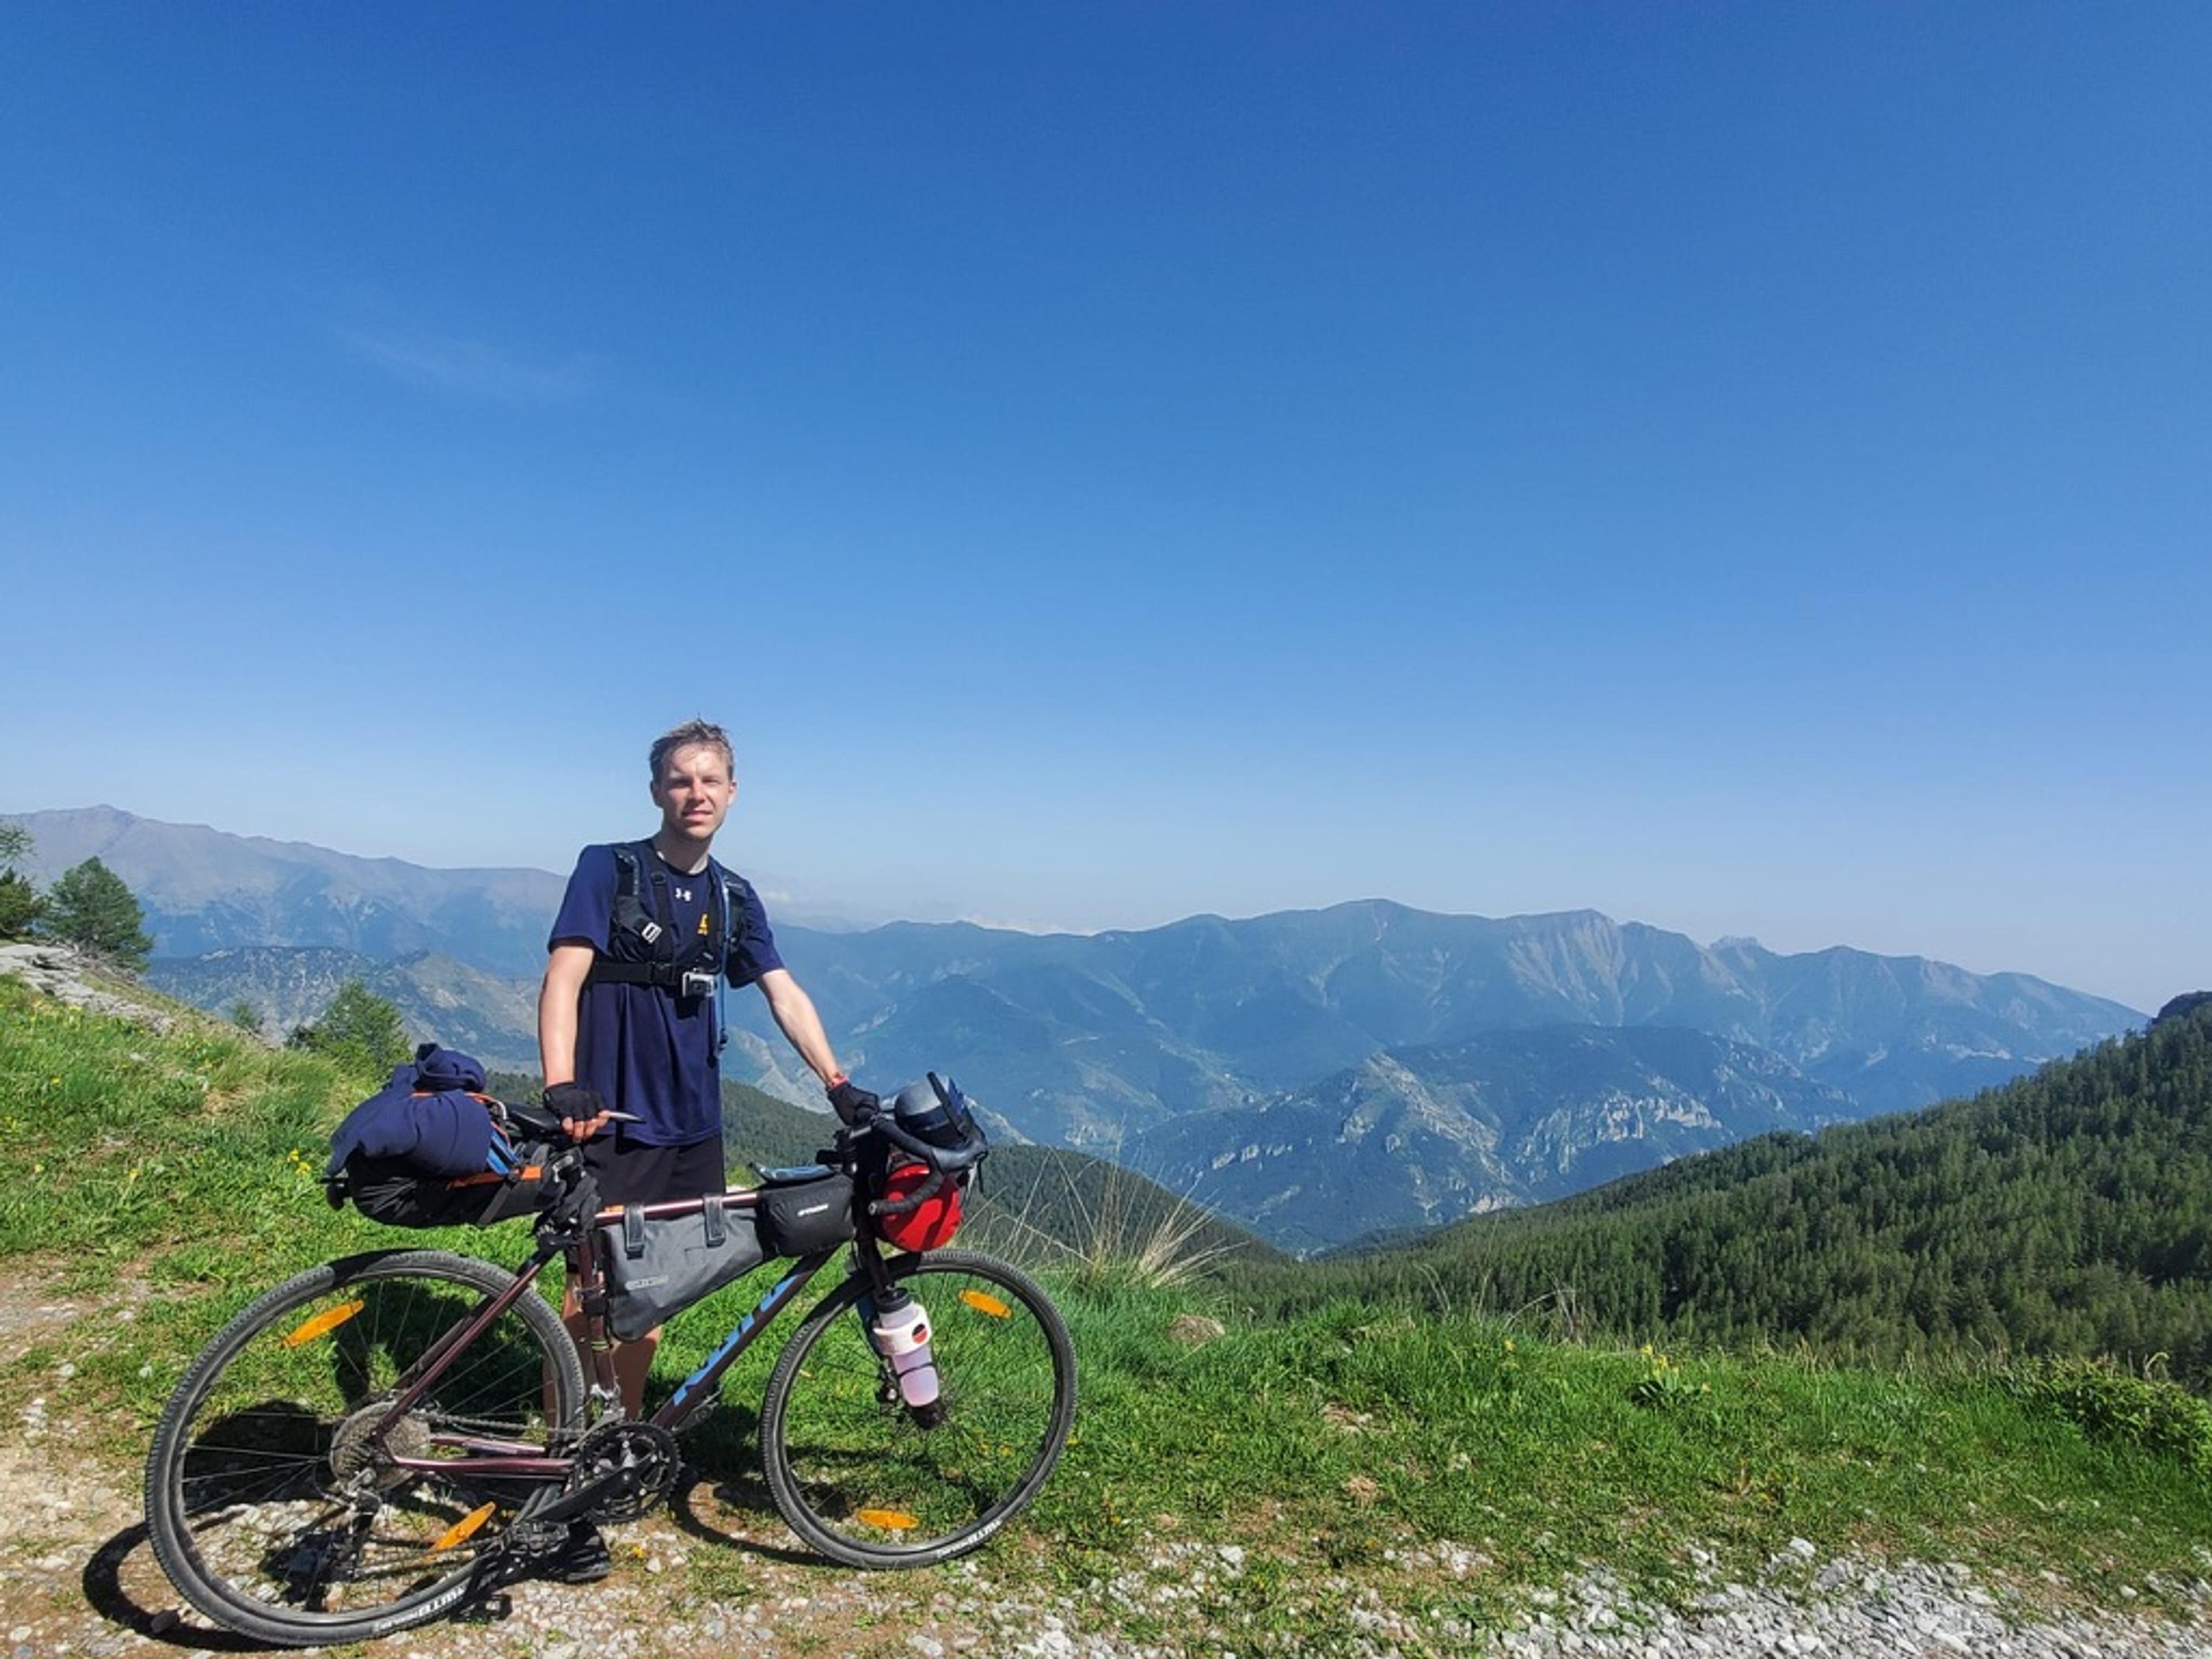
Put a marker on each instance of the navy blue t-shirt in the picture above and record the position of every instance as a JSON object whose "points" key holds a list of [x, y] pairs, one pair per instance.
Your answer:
{"points": [[642, 1048]]}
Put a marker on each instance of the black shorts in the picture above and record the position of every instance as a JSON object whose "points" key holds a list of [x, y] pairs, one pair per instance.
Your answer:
{"points": [[630, 1172]]}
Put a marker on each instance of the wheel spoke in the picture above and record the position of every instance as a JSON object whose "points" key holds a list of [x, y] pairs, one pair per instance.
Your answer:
{"points": [[274, 1489], [854, 1471]]}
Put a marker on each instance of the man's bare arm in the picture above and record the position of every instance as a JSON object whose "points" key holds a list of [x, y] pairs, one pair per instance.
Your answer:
{"points": [[793, 1013], [565, 971]]}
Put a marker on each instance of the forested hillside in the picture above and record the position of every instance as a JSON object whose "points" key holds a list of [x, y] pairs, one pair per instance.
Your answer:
{"points": [[2070, 1212]]}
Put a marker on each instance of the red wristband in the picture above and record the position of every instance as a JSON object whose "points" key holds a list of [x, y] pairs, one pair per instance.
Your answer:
{"points": [[836, 1080]]}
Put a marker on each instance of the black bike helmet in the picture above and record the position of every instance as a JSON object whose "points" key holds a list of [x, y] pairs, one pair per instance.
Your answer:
{"points": [[935, 1111]]}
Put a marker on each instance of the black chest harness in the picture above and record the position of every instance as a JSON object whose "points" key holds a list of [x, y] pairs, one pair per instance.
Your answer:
{"points": [[698, 966]]}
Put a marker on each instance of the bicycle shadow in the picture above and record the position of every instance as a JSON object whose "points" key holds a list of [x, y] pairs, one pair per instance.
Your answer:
{"points": [[237, 1439], [722, 1457], [119, 1603], [165, 1621]]}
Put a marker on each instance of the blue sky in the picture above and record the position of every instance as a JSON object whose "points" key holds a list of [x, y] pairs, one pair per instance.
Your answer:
{"points": [[1742, 468]]}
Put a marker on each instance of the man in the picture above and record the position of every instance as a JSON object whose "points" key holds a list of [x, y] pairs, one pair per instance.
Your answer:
{"points": [[630, 1018]]}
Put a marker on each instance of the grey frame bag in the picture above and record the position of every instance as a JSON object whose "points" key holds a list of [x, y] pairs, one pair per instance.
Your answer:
{"points": [[658, 1266]]}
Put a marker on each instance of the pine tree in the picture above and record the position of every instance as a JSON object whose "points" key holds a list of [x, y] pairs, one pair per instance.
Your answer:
{"points": [[21, 907], [20, 903], [360, 1029], [89, 906]]}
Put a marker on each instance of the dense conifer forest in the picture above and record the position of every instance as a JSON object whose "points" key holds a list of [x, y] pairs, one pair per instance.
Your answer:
{"points": [[2067, 1212]]}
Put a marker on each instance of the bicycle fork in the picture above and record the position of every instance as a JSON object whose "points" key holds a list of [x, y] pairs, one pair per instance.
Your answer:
{"points": [[898, 1328]]}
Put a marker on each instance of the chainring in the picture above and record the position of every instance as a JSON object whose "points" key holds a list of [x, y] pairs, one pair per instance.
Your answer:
{"points": [[645, 1449]]}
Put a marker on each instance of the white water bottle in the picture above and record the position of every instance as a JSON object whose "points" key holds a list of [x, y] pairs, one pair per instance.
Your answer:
{"points": [[901, 1334]]}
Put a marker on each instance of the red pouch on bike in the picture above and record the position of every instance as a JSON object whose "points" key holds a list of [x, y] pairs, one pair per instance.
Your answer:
{"points": [[931, 1224]]}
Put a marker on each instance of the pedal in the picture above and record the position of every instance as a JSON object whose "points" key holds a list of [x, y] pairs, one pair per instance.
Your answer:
{"points": [[533, 1532]]}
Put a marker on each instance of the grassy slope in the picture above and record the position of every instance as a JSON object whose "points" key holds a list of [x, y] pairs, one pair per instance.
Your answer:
{"points": [[1338, 1446]]}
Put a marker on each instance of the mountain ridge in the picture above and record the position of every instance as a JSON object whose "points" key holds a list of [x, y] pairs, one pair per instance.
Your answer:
{"points": [[1093, 1041], [1413, 1138]]}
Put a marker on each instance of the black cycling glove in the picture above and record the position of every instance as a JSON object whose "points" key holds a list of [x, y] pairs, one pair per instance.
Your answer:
{"points": [[852, 1103], [572, 1103]]}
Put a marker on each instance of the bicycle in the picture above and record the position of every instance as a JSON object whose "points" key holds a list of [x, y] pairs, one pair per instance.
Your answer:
{"points": [[382, 1439]]}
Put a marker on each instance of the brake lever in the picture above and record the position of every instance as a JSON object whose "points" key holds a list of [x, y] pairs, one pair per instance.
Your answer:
{"points": [[534, 1119]]}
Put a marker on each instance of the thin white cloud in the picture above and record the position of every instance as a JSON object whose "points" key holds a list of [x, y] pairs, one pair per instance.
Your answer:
{"points": [[470, 368], [1001, 925]]}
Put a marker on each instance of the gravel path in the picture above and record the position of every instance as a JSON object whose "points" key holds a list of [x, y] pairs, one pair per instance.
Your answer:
{"points": [[718, 1572]]}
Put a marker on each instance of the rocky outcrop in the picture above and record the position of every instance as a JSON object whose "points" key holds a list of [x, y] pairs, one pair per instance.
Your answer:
{"points": [[63, 972]]}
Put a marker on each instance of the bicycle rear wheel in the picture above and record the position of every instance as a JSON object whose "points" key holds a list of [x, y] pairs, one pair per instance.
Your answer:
{"points": [[274, 1502], [855, 1476]]}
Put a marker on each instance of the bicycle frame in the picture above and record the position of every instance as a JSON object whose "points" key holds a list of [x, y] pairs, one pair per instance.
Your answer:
{"points": [[488, 1458]]}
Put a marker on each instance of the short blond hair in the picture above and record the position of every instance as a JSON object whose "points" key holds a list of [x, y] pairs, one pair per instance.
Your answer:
{"points": [[691, 734]]}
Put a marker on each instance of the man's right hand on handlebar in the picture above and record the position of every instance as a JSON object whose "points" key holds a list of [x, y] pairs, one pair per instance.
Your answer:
{"points": [[581, 1112]]}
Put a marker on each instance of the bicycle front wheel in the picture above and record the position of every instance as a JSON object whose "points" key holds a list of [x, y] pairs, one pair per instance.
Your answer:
{"points": [[852, 1472], [283, 1500]]}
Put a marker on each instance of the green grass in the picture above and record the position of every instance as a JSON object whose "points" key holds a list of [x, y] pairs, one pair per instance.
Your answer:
{"points": [[175, 1177], [1357, 1456], [1338, 1442]]}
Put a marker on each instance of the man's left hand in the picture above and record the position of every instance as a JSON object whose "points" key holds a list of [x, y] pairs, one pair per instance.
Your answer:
{"points": [[852, 1102]]}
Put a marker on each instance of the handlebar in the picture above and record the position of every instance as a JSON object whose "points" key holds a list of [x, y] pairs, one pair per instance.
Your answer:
{"points": [[532, 1118], [944, 1164]]}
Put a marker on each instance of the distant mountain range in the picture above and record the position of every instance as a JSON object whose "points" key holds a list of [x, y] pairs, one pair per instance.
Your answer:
{"points": [[1414, 1137], [1094, 1039], [204, 890], [1183, 1049]]}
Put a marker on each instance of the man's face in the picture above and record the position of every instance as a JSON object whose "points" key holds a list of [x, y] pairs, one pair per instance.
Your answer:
{"points": [[694, 792]]}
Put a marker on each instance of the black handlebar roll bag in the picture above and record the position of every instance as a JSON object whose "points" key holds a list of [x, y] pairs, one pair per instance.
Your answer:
{"points": [[397, 1193], [802, 1216]]}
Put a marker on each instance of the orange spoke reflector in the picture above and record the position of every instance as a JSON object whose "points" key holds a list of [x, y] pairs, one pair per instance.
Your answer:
{"points": [[464, 1529], [323, 1323], [987, 1305], [889, 1520]]}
